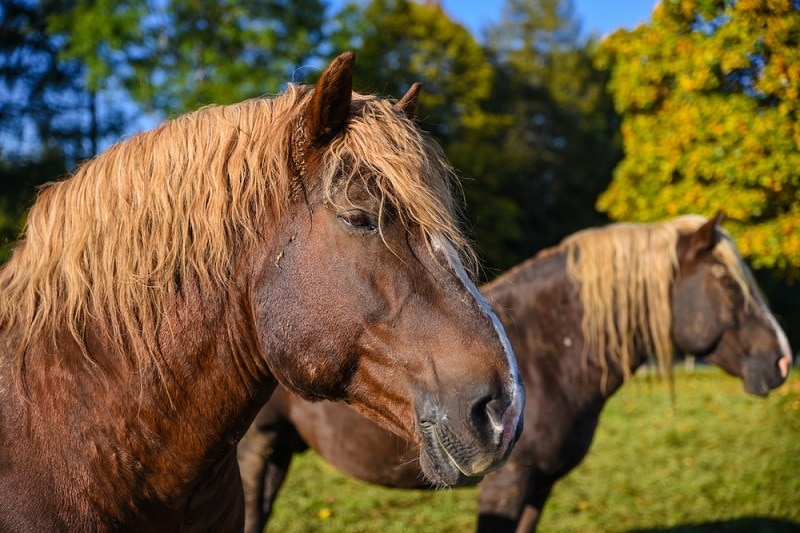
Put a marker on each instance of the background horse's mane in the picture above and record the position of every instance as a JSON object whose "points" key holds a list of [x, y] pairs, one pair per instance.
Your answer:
{"points": [[625, 273], [121, 237]]}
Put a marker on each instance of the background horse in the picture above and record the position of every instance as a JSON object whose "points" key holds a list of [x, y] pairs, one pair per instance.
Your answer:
{"points": [[582, 317], [161, 293]]}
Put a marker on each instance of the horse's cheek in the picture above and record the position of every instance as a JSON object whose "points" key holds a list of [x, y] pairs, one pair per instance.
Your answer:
{"points": [[307, 355], [695, 325]]}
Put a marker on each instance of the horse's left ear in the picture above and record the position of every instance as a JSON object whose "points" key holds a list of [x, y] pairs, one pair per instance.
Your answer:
{"points": [[705, 238], [329, 107], [408, 103]]}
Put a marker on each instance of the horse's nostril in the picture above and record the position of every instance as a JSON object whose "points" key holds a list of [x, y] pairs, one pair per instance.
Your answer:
{"points": [[487, 415]]}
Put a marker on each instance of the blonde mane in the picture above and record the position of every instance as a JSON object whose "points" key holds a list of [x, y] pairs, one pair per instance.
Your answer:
{"points": [[625, 272], [113, 243]]}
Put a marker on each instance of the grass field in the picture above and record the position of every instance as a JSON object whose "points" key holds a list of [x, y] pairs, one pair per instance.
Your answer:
{"points": [[716, 460]]}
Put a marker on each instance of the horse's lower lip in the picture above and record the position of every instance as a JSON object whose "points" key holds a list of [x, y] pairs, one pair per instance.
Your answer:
{"points": [[443, 469], [436, 447], [447, 453], [757, 386]]}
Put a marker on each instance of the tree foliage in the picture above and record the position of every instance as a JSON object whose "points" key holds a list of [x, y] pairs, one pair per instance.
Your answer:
{"points": [[709, 92], [175, 56], [399, 42], [559, 142], [49, 119], [44, 103]]}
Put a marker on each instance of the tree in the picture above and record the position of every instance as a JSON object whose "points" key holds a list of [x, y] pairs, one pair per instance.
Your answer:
{"points": [[399, 42], [709, 93], [177, 55], [45, 104], [560, 141], [525, 120], [49, 119]]}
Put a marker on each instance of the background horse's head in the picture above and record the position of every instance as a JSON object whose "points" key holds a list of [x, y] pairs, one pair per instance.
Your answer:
{"points": [[647, 288], [360, 294], [719, 312]]}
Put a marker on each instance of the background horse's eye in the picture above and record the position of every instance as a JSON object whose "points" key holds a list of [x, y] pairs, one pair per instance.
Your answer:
{"points": [[359, 220]]}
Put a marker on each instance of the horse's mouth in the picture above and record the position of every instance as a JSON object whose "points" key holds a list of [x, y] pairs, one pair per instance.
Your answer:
{"points": [[759, 381], [757, 386], [440, 463]]}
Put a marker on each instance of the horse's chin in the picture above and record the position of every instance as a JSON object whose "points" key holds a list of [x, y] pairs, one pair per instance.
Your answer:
{"points": [[756, 387], [438, 465], [760, 381], [760, 385]]}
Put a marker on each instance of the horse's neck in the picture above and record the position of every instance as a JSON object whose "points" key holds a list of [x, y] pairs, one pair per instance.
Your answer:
{"points": [[167, 427]]}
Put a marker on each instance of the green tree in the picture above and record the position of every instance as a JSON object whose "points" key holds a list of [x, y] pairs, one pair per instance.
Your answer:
{"points": [[399, 42], [559, 143], [709, 93], [45, 105], [177, 55], [49, 119], [525, 120]]}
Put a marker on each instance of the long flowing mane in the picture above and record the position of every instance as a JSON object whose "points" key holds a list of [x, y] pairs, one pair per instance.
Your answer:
{"points": [[625, 272], [116, 241]]}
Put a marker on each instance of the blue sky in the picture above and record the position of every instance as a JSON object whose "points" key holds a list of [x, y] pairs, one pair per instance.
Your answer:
{"points": [[599, 16]]}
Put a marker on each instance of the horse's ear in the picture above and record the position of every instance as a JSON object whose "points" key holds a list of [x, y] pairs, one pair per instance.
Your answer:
{"points": [[704, 238], [329, 107], [408, 103]]}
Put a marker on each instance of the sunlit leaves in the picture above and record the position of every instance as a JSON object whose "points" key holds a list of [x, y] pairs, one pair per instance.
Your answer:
{"points": [[710, 96]]}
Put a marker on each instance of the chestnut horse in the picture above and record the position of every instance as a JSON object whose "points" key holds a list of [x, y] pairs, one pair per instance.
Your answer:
{"points": [[581, 317], [161, 293]]}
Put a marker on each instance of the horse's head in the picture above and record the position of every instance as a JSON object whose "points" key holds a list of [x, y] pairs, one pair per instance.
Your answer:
{"points": [[718, 311], [360, 294]]}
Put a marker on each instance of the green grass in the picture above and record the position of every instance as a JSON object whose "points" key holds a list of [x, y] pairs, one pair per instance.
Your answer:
{"points": [[716, 460]]}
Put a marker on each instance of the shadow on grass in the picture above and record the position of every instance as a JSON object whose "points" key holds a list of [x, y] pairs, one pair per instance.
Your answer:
{"points": [[749, 524]]}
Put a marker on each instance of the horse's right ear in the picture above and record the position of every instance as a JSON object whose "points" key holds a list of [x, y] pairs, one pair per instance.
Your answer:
{"points": [[704, 239], [329, 107], [408, 103]]}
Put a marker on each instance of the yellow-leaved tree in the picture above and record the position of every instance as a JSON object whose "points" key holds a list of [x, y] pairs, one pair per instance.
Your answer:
{"points": [[709, 94]]}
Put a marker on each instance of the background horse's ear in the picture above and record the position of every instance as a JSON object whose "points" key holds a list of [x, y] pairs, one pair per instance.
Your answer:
{"points": [[330, 102], [704, 239], [408, 103]]}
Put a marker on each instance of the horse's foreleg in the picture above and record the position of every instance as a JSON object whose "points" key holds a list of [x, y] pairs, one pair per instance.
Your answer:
{"points": [[501, 498], [264, 455], [274, 474], [252, 453], [532, 510]]}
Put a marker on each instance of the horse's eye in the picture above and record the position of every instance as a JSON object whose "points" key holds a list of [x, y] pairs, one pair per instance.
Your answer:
{"points": [[359, 220], [721, 273]]}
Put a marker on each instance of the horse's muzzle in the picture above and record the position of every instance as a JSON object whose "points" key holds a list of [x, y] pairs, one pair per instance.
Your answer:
{"points": [[461, 451]]}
